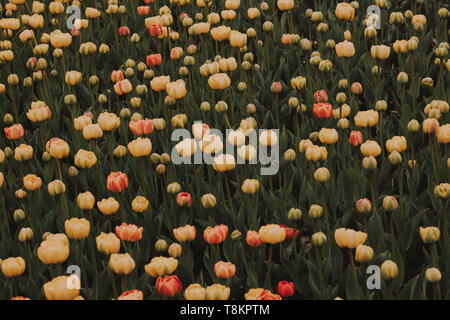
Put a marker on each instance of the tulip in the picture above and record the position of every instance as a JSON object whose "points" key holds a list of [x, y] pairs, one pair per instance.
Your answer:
{"points": [[73, 77], [370, 148], [140, 147], [389, 270], [345, 49], [250, 186], [177, 89], [272, 233], [429, 234], [54, 250], [443, 133], [186, 233], [108, 206], [253, 239], [355, 138], [168, 286], [195, 292], [345, 11], [215, 235], [58, 148], [121, 264], [13, 267], [219, 81], [123, 87], [224, 162], [56, 187], [285, 288], [39, 112], [107, 243], [363, 253], [159, 83], [77, 228], [349, 238], [328, 136], [108, 121], [160, 266], [139, 204], [25, 234], [129, 232], [174, 250], [23, 152], [85, 159], [217, 292], [32, 182], [131, 295], [433, 275], [268, 295], [380, 52], [224, 270], [154, 59], [58, 289], [322, 110], [117, 181], [14, 132], [184, 199]]}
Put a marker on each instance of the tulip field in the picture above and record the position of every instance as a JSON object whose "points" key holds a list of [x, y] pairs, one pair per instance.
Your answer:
{"points": [[224, 150]]}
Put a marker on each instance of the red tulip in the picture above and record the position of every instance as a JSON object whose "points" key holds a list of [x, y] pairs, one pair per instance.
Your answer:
{"points": [[289, 232], [355, 138], [253, 239], [184, 199], [143, 10], [267, 295], [140, 127], [154, 59], [129, 232], [155, 30], [215, 235], [116, 75], [124, 31], [117, 181], [321, 96], [322, 110], [15, 131], [286, 289], [168, 286], [149, 1], [276, 87]]}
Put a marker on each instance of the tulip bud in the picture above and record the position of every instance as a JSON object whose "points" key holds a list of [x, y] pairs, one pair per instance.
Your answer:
{"points": [[390, 203], [73, 172], [208, 201], [322, 175], [8, 152], [8, 118], [165, 158], [13, 79], [155, 158], [174, 250], [102, 99], [363, 254], [315, 211], [343, 123], [236, 235], [25, 234], [395, 158], [318, 239], [221, 107], [294, 214], [369, 163], [173, 188], [46, 156], [161, 245], [160, 169], [125, 113], [19, 215], [413, 125], [120, 151], [402, 77], [389, 270], [250, 108], [363, 206]]}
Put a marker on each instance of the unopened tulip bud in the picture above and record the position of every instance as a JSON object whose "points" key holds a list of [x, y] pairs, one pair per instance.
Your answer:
{"points": [[120, 151], [343, 123], [19, 215], [250, 108], [160, 169], [289, 155], [20, 194], [389, 270], [8, 152], [73, 172], [413, 125], [175, 250], [433, 275], [313, 136], [363, 254], [208, 201], [25, 234], [369, 163], [390, 203], [322, 175], [136, 116], [395, 158], [8, 118], [363, 206], [165, 158], [402, 77], [294, 214], [155, 158], [125, 113], [173, 188], [161, 245], [318, 239], [102, 99], [236, 235], [205, 106], [315, 211]]}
